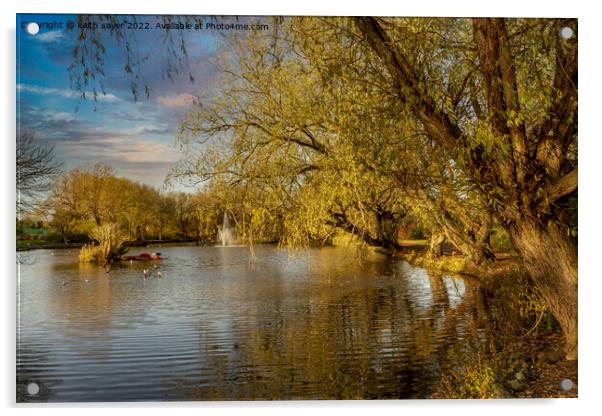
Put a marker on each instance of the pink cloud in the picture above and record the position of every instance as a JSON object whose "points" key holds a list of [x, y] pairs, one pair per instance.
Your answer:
{"points": [[180, 100]]}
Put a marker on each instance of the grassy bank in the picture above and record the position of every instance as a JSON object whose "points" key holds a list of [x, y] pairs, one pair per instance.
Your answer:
{"points": [[23, 245]]}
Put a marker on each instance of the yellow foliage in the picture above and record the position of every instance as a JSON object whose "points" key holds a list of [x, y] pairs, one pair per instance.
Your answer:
{"points": [[109, 242]]}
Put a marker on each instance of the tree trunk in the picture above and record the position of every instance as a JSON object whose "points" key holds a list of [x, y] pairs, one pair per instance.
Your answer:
{"points": [[477, 253], [548, 254], [435, 247], [342, 222], [550, 258], [476, 248], [473, 244], [387, 229]]}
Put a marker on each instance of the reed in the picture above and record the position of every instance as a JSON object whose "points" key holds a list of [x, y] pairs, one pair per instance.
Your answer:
{"points": [[108, 245]]}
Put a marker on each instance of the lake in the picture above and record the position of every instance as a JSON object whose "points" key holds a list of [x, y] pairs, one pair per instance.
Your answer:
{"points": [[324, 323]]}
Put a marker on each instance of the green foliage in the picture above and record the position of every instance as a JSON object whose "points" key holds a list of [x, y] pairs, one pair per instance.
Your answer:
{"points": [[418, 233], [472, 373], [519, 307], [446, 264], [479, 383], [89, 253], [343, 239], [500, 240]]}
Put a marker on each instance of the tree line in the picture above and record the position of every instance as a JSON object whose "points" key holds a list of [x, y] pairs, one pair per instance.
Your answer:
{"points": [[86, 198], [92, 196]]}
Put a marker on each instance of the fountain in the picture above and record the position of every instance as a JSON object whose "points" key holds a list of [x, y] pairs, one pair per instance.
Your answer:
{"points": [[226, 234]]}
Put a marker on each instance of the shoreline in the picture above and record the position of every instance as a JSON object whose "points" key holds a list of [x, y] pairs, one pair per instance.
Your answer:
{"points": [[521, 363], [144, 243]]}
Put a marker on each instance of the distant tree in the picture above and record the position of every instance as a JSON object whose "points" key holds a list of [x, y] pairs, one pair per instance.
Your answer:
{"points": [[184, 219], [36, 168], [164, 213], [64, 222]]}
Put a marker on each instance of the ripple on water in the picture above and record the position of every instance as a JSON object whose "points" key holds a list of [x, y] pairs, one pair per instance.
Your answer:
{"points": [[318, 324]]}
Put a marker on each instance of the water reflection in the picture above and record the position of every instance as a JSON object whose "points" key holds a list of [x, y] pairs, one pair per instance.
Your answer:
{"points": [[317, 324]]}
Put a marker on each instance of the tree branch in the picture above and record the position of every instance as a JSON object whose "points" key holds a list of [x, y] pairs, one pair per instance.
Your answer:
{"points": [[563, 186], [497, 67], [558, 128], [436, 123]]}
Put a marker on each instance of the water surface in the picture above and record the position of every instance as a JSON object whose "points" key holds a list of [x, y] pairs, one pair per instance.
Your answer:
{"points": [[318, 324]]}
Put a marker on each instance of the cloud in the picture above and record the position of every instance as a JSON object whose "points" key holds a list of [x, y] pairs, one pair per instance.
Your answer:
{"points": [[47, 123], [52, 115], [180, 100], [149, 128], [78, 141], [49, 37], [61, 92], [118, 148], [134, 157]]}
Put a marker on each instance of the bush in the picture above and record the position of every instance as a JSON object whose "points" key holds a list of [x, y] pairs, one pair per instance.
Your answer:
{"points": [[500, 240], [417, 233], [108, 245], [517, 306], [88, 253]]}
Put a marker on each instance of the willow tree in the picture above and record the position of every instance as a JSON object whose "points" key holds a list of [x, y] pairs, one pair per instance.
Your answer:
{"points": [[319, 98], [316, 125], [279, 124], [500, 95]]}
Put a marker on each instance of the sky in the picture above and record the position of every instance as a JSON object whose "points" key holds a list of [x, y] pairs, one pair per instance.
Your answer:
{"points": [[136, 138]]}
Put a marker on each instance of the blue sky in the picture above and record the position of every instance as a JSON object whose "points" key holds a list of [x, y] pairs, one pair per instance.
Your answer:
{"points": [[136, 138]]}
